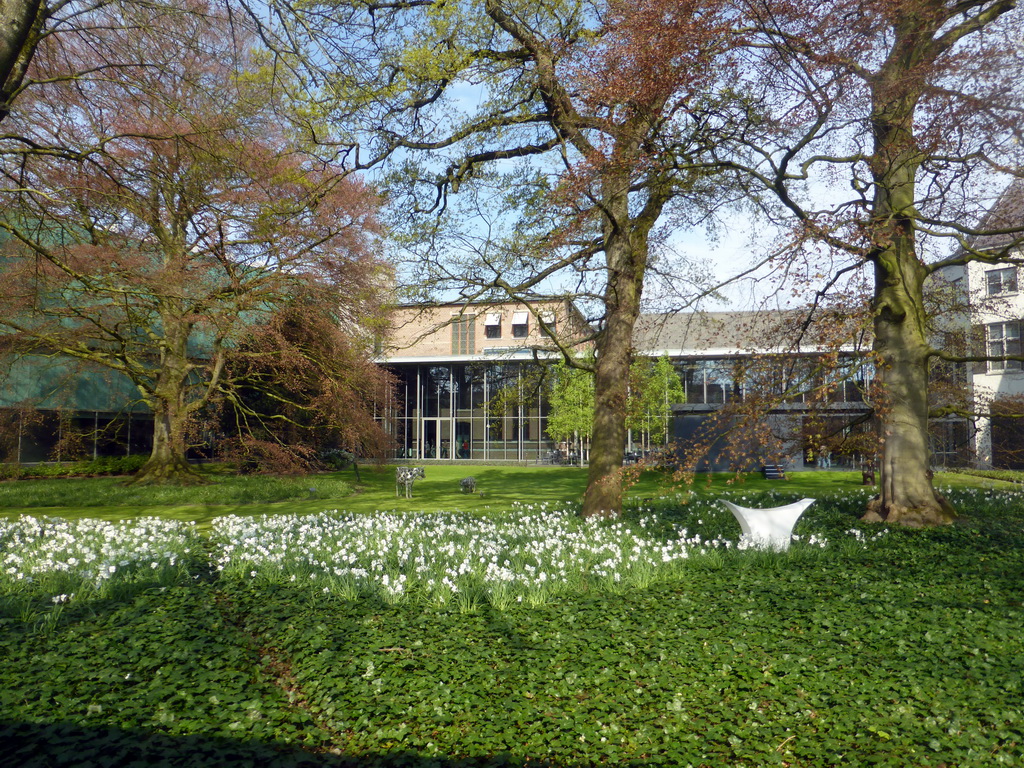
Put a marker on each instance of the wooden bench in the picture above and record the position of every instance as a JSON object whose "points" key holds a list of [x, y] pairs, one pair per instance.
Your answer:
{"points": [[773, 472]]}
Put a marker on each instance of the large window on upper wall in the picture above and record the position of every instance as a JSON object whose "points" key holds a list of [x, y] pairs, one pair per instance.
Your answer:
{"points": [[1003, 340], [1001, 281], [463, 342]]}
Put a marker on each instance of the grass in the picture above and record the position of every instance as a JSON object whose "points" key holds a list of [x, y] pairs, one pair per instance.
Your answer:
{"points": [[498, 488], [333, 639], [108, 498]]}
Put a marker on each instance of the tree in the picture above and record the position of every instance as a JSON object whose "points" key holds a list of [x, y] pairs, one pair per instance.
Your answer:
{"points": [[179, 210], [572, 406], [654, 388], [581, 120], [914, 106], [304, 387]]}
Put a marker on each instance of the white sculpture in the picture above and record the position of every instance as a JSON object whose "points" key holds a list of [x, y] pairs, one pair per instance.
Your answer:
{"points": [[768, 528]]}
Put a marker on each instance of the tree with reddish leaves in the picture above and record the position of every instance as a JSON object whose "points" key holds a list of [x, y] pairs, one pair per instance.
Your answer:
{"points": [[583, 122], [304, 385], [884, 128], [165, 205]]}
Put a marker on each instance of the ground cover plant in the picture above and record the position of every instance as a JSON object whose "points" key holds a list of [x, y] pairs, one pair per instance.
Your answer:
{"points": [[333, 639], [105, 465]]}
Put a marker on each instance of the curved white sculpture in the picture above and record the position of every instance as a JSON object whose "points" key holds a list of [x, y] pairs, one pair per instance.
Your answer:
{"points": [[768, 528]]}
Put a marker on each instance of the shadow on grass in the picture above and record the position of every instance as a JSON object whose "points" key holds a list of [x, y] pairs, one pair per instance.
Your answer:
{"points": [[65, 745]]}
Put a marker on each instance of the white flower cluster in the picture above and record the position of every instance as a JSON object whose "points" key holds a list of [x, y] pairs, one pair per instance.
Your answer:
{"points": [[529, 553], [86, 551], [526, 554]]}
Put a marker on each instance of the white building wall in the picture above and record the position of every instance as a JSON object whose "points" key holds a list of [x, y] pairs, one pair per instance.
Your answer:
{"points": [[994, 296]]}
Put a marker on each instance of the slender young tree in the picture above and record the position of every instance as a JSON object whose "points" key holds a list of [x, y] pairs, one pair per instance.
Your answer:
{"points": [[181, 210], [654, 388], [572, 406], [914, 106]]}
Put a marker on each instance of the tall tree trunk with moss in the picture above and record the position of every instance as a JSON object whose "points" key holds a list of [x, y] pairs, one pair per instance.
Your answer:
{"points": [[907, 496], [611, 379]]}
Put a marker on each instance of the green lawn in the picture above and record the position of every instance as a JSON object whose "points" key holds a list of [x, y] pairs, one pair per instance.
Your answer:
{"points": [[498, 488], [511, 633]]}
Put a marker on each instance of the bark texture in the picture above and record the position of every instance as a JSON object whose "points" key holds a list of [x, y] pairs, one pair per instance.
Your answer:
{"points": [[21, 24], [627, 252], [168, 462], [907, 496], [603, 496]]}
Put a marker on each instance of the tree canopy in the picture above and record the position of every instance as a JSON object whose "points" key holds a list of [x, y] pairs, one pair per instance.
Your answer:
{"points": [[583, 121], [881, 128], [165, 205]]}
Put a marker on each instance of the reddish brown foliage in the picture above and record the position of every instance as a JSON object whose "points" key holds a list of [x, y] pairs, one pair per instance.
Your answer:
{"points": [[177, 211]]}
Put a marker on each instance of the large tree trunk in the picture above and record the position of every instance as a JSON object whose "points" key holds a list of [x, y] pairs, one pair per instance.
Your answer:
{"points": [[626, 262], [603, 496], [21, 23], [906, 495], [167, 463]]}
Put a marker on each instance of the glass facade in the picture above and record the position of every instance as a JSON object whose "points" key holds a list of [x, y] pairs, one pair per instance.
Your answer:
{"points": [[498, 411], [483, 411]]}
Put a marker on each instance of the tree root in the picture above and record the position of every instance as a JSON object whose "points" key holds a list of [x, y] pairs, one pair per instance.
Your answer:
{"points": [[919, 516], [174, 473]]}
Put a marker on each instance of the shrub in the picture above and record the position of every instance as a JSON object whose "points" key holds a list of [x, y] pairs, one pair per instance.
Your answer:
{"points": [[1007, 475], [337, 458], [102, 466]]}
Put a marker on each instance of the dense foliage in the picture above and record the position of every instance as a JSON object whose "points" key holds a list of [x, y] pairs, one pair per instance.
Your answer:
{"points": [[104, 465], [854, 647]]}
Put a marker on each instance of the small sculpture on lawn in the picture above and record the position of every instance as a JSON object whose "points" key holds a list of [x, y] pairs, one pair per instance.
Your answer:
{"points": [[768, 528], [468, 484], [405, 477]]}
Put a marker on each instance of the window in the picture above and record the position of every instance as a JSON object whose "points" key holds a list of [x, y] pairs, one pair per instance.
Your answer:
{"points": [[1001, 281], [550, 322], [1003, 340], [463, 342], [492, 326], [520, 325]]}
